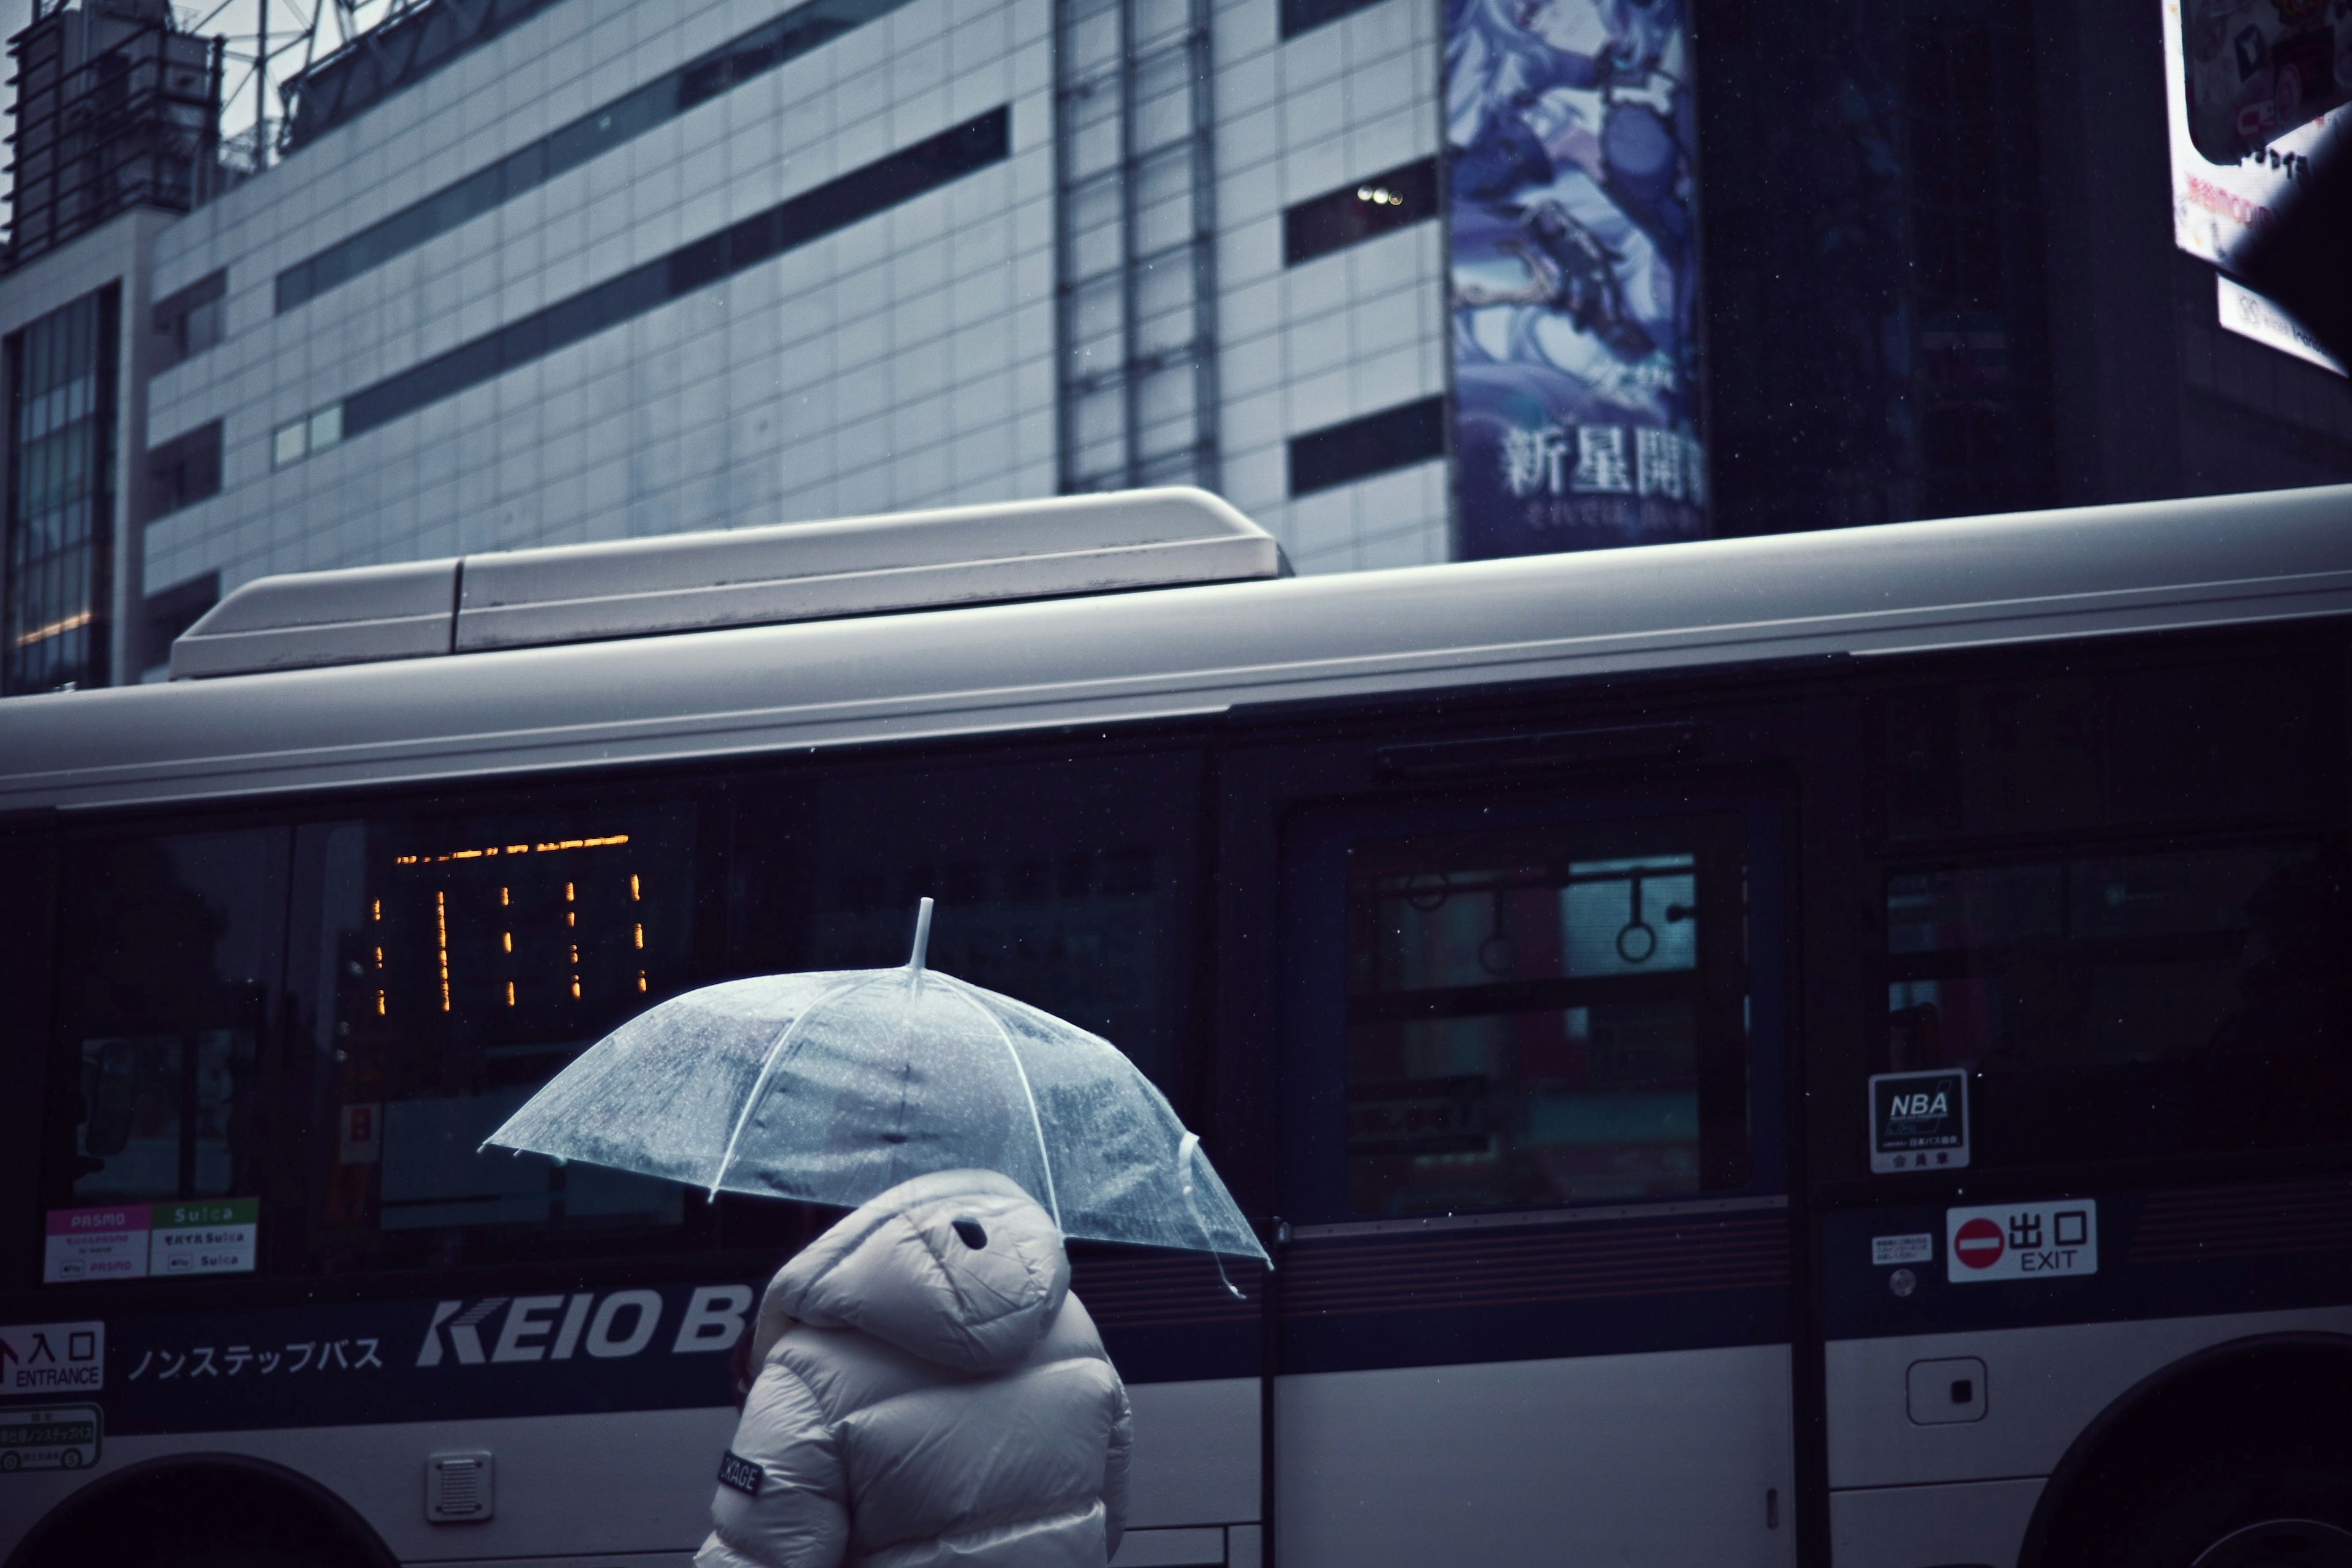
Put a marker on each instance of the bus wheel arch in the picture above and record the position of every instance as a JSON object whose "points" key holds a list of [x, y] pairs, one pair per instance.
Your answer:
{"points": [[2229, 1409], [188, 1507]]}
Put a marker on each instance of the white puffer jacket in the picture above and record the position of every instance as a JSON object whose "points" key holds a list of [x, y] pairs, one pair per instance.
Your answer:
{"points": [[928, 1392]]}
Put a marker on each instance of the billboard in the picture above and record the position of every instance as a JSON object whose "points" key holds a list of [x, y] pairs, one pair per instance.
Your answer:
{"points": [[1571, 212], [2254, 89]]}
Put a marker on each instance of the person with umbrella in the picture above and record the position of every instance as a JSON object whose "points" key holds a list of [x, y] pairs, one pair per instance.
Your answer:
{"points": [[926, 1389]]}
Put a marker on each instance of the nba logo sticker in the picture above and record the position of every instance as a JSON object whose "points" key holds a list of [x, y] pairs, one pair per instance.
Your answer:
{"points": [[1918, 1121]]}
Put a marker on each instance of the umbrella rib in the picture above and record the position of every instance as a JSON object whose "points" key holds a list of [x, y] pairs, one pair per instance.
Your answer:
{"points": [[1045, 1157], [768, 1072]]}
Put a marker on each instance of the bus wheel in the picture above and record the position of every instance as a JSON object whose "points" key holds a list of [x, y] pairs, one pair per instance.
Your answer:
{"points": [[2287, 1508], [201, 1511]]}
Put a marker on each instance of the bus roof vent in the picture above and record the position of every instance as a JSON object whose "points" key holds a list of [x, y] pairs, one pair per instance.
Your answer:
{"points": [[752, 576]]}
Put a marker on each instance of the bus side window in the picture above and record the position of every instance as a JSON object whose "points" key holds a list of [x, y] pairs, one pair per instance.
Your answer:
{"points": [[173, 946], [447, 966], [2141, 1004], [1069, 883], [1545, 1015]]}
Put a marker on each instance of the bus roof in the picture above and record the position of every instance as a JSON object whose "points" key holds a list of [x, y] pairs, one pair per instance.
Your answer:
{"points": [[1187, 651]]}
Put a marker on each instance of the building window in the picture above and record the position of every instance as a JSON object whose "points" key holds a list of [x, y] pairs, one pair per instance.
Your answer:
{"points": [[827, 209], [61, 499], [173, 611], [1304, 16], [190, 321], [313, 434], [1365, 210], [1393, 438], [184, 469]]}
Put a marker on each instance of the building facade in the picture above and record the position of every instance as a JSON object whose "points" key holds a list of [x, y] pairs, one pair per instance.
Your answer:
{"points": [[543, 272]]}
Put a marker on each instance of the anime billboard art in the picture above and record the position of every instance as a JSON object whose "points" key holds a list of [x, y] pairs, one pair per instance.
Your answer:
{"points": [[1569, 132]]}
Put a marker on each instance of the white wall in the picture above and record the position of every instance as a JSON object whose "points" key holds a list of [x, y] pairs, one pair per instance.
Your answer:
{"points": [[905, 362]]}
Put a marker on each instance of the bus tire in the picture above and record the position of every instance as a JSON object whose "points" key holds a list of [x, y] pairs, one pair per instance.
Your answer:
{"points": [[2289, 1506], [201, 1511], [2236, 1457]]}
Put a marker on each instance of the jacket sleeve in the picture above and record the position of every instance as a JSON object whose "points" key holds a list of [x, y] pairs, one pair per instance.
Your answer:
{"points": [[1113, 1493], [782, 1501]]}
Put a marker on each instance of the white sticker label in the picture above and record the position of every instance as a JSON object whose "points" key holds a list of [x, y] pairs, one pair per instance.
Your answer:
{"points": [[1886, 1250], [63, 1438], [52, 1358], [2022, 1241]]}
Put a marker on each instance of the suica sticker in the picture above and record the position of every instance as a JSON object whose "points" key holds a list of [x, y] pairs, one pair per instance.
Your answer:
{"points": [[1918, 1121], [2022, 1241]]}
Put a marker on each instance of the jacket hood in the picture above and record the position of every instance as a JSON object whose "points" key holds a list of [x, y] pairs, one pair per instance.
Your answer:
{"points": [[961, 1267]]}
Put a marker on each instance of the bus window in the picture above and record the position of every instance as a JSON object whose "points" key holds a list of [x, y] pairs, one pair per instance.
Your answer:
{"points": [[174, 945], [2069, 753], [2120, 1005], [1070, 884], [1544, 1015], [459, 963]]}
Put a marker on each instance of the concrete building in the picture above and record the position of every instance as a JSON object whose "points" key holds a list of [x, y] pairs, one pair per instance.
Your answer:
{"points": [[540, 272]]}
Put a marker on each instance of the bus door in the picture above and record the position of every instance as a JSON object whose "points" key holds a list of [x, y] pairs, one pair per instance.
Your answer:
{"points": [[1533, 1306]]}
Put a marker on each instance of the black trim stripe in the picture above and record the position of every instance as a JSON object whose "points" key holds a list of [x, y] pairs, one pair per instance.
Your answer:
{"points": [[1747, 1253], [861, 193]]}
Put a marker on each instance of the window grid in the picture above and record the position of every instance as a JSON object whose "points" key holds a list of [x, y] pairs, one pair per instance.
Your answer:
{"points": [[60, 502]]}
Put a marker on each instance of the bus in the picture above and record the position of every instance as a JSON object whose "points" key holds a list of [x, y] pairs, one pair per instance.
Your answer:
{"points": [[1826, 1048]]}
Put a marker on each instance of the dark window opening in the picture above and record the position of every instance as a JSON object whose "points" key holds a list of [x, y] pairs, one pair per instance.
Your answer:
{"points": [[165, 1010], [61, 497], [1304, 16], [1375, 444], [2113, 1006], [1546, 1015], [1382, 205], [192, 320], [184, 470], [173, 611]]}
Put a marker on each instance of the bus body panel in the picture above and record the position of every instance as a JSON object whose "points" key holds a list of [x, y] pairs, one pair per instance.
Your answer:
{"points": [[1903, 1527], [2041, 1386], [1189, 651], [641, 1480], [1658, 1458]]}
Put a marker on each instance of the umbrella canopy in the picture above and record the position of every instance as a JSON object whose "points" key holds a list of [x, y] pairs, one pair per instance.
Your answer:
{"points": [[834, 1087]]}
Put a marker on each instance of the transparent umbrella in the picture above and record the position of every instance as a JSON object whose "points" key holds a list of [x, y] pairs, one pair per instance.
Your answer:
{"points": [[834, 1087]]}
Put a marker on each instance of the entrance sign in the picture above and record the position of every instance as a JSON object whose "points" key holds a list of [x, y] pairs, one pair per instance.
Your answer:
{"points": [[1570, 139], [52, 1359]]}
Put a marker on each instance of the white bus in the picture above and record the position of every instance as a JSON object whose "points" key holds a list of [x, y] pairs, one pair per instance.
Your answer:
{"points": [[1830, 1049]]}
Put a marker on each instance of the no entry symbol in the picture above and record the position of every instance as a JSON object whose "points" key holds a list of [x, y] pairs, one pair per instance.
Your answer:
{"points": [[1978, 1244]]}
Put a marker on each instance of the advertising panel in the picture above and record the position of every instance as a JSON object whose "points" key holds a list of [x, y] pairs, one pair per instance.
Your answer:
{"points": [[2255, 89], [1571, 137]]}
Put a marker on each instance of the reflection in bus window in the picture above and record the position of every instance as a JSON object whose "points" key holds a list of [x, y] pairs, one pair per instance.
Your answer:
{"points": [[461, 964], [177, 944], [1543, 1016], [1069, 885], [2122, 1005]]}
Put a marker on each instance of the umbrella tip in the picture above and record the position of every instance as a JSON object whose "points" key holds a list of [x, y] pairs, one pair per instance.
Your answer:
{"points": [[922, 939]]}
